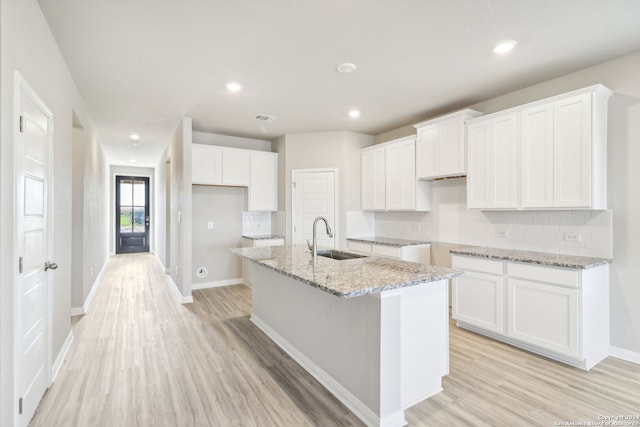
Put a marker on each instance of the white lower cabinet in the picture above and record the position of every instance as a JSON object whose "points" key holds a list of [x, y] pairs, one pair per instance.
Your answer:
{"points": [[556, 312], [478, 300], [413, 253], [543, 315]]}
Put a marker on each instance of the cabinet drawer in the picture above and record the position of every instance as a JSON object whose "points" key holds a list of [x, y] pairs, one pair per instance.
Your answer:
{"points": [[389, 251], [537, 273], [359, 246], [268, 242], [477, 264]]}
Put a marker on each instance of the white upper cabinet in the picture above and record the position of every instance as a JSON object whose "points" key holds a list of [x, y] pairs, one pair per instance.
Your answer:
{"points": [[389, 177], [235, 167], [258, 170], [440, 145], [263, 185], [206, 165], [401, 175], [373, 178], [536, 148], [562, 160], [492, 170], [563, 151]]}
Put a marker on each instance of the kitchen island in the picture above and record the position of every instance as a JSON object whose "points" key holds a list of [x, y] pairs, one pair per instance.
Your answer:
{"points": [[372, 330]]}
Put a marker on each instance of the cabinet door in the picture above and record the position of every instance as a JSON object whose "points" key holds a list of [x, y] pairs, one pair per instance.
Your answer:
{"points": [[206, 164], [373, 181], [479, 165], [572, 152], [536, 142], [235, 167], [426, 152], [401, 176], [543, 315], [478, 299], [504, 176], [387, 251], [263, 185], [451, 148]]}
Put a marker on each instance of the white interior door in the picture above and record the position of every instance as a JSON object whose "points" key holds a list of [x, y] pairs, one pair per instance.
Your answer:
{"points": [[33, 348], [314, 195]]}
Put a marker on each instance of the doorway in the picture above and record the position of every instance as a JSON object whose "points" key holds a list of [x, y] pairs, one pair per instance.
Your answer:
{"points": [[314, 195], [132, 214]]}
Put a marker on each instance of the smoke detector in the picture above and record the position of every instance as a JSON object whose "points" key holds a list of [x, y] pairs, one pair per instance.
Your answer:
{"points": [[264, 118]]}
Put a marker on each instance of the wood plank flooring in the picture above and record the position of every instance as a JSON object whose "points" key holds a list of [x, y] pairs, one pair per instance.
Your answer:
{"points": [[141, 359]]}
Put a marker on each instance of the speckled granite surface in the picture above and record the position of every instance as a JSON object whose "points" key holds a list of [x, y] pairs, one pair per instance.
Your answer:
{"points": [[262, 236], [387, 241], [348, 278], [541, 258]]}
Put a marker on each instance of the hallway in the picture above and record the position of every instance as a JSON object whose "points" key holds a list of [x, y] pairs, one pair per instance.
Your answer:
{"points": [[141, 359]]}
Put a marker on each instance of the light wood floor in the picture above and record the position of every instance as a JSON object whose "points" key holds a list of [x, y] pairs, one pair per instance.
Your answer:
{"points": [[141, 359]]}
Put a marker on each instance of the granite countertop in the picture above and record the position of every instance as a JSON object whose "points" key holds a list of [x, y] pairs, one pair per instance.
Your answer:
{"points": [[541, 258], [262, 236], [387, 241], [347, 278]]}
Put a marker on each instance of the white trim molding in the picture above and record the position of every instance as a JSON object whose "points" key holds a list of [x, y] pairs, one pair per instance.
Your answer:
{"points": [[624, 354], [79, 311], [181, 298], [57, 364], [217, 284]]}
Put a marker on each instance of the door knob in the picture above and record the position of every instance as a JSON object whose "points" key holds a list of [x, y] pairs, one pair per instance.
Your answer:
{"points": [[50, 266]]}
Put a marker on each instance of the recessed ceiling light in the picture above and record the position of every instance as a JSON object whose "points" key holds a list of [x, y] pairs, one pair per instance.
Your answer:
{"points": [[354, 114], [234, 86], [505, 46], [132, 160], [134, 137], [346, 67]]}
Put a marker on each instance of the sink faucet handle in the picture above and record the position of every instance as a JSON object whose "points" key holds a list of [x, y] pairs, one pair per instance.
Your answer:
{"points": [[309, 245]]}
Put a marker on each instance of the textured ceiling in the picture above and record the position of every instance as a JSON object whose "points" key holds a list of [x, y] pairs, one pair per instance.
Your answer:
{"points": [[142, 65]]}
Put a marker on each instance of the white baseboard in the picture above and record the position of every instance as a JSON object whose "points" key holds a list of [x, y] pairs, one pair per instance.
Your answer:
{"points": [[217, 283], [165, 269], [356, 406], [79, 311], [181, 298], [624, 354], [57, 364]]}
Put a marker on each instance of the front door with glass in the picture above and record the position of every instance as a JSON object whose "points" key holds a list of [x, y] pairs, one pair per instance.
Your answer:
{"points": [[132, 214]]}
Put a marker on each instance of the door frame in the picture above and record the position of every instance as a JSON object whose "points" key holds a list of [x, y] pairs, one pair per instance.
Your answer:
{"points": [[117, 207], [336, 197], [21, 86], [112, 208]]}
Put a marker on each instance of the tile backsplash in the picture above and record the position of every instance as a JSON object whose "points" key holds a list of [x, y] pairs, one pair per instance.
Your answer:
{"points": [[587, 233], [256, 222]]}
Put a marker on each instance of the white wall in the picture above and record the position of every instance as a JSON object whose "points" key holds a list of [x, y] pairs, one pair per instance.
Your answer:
{"points": [[178, 223], [231, 141], [28, 46], [223, 207], [543, 230], [90, 216], [340, 150]]}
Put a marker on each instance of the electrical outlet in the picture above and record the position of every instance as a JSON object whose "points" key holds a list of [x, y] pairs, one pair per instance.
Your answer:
{"points": [[210, 225], [502, 233], [572, 237]]}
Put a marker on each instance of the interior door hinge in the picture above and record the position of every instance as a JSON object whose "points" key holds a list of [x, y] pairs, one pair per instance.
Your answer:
{"points": [[294, 184], [21, 124], [20, 406], [20, 265]]}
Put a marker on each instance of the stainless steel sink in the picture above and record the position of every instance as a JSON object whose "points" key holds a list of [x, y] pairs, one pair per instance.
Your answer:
{"points": [[339, 255]]}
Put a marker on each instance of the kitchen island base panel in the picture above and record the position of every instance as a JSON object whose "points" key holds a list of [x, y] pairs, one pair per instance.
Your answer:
{"points": [[378, 354]]}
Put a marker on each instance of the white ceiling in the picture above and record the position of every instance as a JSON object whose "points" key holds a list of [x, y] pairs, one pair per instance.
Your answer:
{"points": [[142, 65]]}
